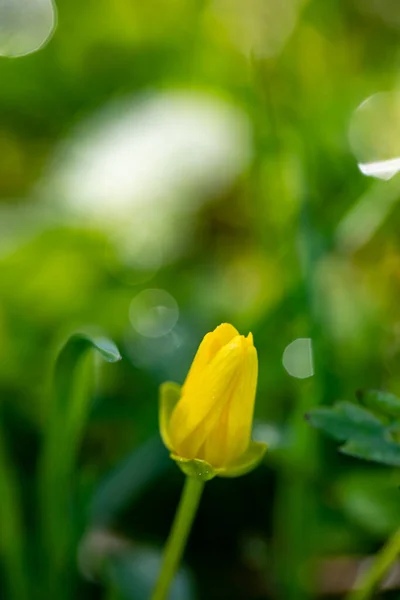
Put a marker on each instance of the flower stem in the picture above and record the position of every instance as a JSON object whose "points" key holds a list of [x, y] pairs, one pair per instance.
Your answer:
{"points": [[369, 581], [178, 536]]}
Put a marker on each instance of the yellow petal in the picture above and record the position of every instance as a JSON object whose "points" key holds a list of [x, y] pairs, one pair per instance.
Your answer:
{"points": [[231, 435], [241, 408], [209, 347], [201, 405], [214, 447]]}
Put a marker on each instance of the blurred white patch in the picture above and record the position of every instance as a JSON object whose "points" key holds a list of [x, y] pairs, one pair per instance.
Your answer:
{"points": [[256, 27], [104, 556], [382, 170], [298, 358], [145, 166], [25, 25], [267, 433], [374, 135], [96, 546], [153, 313]]}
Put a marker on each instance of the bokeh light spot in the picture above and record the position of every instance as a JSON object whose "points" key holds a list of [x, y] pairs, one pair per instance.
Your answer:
{"points": [[25, 25], [256, 27], [374, 135], [298, 358], [153, 313]]}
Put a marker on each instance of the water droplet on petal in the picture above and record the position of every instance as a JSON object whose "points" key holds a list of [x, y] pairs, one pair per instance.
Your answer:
{"points": [[374, 135]]}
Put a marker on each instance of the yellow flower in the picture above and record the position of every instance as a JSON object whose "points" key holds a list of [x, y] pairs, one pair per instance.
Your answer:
{"points": [[207, 424]]}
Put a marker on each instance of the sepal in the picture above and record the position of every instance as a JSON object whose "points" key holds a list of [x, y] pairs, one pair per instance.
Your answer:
{"points": [[170, 393], [245, 463], [196, 468]]}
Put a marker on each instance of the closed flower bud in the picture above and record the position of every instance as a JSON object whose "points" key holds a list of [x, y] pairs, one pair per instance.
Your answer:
{"points": [[211, 418]]}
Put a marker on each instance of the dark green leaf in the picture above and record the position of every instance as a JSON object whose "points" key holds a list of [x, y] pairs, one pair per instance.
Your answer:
{"points": [[346, 420], [364, 434], [377, 450]]}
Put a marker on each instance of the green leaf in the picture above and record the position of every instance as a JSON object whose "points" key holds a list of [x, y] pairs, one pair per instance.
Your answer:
{"points": [[196, 468], [366, 436], [377, 450], [69, 406], [346, 420], [246, 463], [382, 402]]}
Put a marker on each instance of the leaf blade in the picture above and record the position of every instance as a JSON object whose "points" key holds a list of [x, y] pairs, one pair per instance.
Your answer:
{"points": [[70, 401]]}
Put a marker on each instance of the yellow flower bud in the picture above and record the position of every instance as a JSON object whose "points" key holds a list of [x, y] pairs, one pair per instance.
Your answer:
{"points": [[212, 418]]}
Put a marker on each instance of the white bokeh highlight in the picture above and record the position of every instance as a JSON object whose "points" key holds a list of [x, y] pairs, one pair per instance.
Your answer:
{"points": [[374, 135], [25, 26], [267, 433], [144, 166], [142, 153], [298, 358]]}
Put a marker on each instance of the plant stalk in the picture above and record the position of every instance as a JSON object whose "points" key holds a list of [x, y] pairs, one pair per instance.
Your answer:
{"points": [[369, 581], [178, 536]]}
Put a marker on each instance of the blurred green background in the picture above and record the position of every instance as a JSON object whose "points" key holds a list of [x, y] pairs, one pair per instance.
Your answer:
{"points": [[165, 167]]}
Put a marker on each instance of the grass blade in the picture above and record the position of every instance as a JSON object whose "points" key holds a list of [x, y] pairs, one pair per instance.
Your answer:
{"points": [[70, 402]]}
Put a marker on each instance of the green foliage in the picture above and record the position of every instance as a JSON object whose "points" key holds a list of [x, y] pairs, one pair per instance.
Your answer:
{"points": [[370, 434], [370, 499], [298, 244], [69, 407], [69, 403]]}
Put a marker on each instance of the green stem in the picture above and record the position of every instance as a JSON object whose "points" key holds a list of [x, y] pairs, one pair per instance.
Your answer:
{"points": [[369, 581], [178, 536]]}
